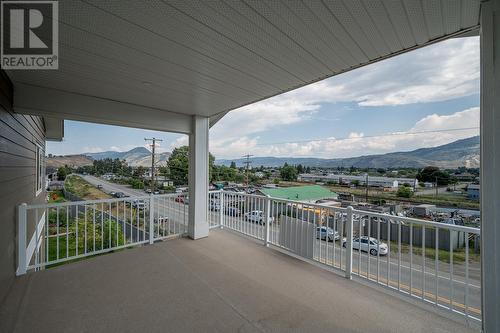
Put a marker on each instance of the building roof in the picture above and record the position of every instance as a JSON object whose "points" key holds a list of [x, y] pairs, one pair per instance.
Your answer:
{"points": [[299, 193]]}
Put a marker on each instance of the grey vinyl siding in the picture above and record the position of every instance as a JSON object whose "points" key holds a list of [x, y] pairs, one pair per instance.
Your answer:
{"points": [[19, 135]]}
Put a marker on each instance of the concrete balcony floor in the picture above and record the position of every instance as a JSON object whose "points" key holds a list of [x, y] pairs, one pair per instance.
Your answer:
{"points": [[222, 283]]}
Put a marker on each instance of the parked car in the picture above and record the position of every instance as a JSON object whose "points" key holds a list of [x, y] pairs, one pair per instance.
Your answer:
{"points": [[162, 219], [325, 233], [139, 204], [156, 192], [214, 205], [257, 216], [232, 211], [182, 199], [99, 186], [373, 247], [112, 194], [119, 195], [148, 190]]}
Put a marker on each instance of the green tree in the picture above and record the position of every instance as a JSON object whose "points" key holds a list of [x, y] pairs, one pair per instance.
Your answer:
{"points": [[405, 192], [139, 172], [62, 172], [178, 164], [163, 171], [433, 174], [288, 172], [233, 165]]}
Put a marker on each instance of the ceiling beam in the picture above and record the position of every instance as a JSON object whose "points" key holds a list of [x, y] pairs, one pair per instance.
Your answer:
{"points": [[59, 104]]}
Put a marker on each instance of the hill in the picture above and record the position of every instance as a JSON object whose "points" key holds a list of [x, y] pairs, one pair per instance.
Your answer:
{"points": [[138, 156], [55, 162], [459, 153]]}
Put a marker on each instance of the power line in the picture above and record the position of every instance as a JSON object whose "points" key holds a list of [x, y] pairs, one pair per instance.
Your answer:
{"points": [[247, 164], [153, 145], [368, 136]]}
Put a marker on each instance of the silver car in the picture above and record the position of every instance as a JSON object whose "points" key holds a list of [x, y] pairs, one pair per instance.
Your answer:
{"points": [[325, 233], [368, 244], [257, 216]]}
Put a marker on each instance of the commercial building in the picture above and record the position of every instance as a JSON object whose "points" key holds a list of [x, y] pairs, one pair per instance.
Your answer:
{"points": [[474, 191], [309, 194], [386, 182]]}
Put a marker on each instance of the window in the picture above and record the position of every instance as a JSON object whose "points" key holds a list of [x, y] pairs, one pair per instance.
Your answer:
{"points": [[39, 170]]}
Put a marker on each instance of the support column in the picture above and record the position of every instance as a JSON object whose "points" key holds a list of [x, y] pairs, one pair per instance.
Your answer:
{"points": [[198, 178], [490, 165]]}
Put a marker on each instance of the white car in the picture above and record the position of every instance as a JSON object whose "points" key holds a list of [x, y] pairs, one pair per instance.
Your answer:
{"points": [[373, 248], [257, 216], [138, 203], [324, 232]]}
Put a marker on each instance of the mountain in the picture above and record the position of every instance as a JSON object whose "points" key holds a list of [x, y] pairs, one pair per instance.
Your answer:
{"points": [[459, 153], [138, 156], [69, 160], [136, 152]]}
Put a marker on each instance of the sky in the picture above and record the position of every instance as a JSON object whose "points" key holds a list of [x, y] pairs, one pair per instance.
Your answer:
{"points": [[423, 98]]}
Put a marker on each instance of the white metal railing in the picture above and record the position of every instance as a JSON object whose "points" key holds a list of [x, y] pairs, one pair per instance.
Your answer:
{"points": [[50, 234], [434, 262]]}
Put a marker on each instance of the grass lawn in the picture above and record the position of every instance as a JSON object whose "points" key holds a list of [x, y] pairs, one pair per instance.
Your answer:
{"points": [[68, 244], [83, 189]]}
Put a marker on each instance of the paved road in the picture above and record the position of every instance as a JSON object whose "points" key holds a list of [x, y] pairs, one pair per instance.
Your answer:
{"points": [[164, 206], [112, 187]]}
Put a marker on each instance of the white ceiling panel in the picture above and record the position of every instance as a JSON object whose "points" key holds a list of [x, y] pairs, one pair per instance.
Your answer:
{"points": [[210, 57]]}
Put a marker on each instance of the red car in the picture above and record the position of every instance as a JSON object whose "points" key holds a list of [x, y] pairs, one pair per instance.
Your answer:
{"points": [[182, 199]]}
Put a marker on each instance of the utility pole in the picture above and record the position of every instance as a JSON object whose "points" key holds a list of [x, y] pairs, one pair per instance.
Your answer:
{"points": [[247, 166], [366, 194], [436, 186], [153, 145]]}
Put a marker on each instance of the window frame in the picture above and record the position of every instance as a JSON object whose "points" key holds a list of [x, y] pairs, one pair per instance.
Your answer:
{"points": [[39, 176]]}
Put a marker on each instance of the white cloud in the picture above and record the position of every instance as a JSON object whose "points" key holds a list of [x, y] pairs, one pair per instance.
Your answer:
{"points": [[180, 141], [93, 149], [439, 72], [356, 144]]}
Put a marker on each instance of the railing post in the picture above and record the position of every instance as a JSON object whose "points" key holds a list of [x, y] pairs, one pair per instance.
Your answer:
{"points": [[349, 227], [21, 239], [221, 209], [151, 219], [268, 220]]}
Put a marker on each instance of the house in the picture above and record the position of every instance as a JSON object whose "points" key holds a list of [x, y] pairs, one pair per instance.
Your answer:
{"points": [[423, 210], [181, 66], [428, 184], [473, 191]]}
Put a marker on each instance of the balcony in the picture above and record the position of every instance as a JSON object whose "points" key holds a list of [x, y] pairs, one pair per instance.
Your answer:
{"points": [[230, 281]]}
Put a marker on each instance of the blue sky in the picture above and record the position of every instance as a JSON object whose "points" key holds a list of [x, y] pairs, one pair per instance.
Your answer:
{"points": [[434, 88]]}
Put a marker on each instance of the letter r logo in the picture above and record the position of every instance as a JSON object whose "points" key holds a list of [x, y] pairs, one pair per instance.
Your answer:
{"points": [[27, 27]]}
